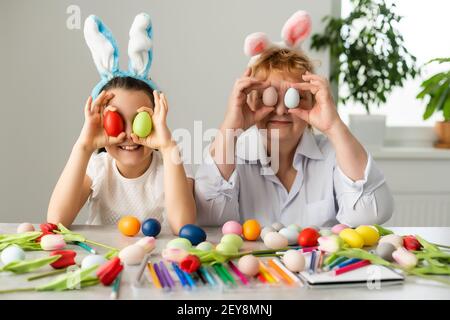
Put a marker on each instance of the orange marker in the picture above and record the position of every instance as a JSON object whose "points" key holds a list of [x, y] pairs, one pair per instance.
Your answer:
{"points": [[281, 272]]}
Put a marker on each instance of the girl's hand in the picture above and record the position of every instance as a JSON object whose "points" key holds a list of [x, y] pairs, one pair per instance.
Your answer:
{"points": [[160, 137], [323, 115], [93, 135], [240, 115]]}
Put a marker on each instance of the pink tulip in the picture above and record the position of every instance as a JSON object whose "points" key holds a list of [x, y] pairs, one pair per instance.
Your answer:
{"points": [[330, 244], [338, 228], [405, 258], [51, 242]]}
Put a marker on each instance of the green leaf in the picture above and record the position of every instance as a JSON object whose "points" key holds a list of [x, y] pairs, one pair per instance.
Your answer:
{"points": [[432, 269], [446, 109], [382, 231], [427, 245], [20, 267], [70, 281], [68, 235], [111, 254], [364, 255], [19, 237]]}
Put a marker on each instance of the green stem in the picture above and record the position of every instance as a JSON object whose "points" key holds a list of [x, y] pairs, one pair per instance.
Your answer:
{"points": [[46, 274], [17, 290], [101, 245], [440, 245]]}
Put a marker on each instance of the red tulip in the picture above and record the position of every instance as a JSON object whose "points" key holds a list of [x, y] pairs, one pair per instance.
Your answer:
{"points": [[108, 272], [48, 227], [411, 243], [67, 258], [190, 263]]}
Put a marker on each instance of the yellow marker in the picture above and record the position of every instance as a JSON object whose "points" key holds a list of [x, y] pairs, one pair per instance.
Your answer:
{"points": [[266, 273], [154, 276]]}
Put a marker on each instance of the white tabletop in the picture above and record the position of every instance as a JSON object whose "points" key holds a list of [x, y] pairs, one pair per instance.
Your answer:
{"points": [[413, 288]]}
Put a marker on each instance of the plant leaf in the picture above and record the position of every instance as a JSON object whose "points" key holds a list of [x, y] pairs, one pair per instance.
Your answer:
{"points": [[20, 267], [427, 245], [70, 281], [364, 255], [382, 231]]}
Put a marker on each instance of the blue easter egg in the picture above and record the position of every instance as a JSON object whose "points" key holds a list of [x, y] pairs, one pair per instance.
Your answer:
{"points": [[193, 233], [151, 227], [291, 98]]}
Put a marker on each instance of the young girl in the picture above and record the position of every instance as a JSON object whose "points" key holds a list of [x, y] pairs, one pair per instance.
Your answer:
{"points": [[318, 179], [143, 177]]}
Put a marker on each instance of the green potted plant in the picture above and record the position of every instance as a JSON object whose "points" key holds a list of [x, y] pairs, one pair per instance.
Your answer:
{"points": [[368, 60], [437, 90]]}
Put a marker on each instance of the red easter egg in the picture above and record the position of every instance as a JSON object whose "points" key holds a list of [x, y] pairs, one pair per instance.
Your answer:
{"points": [[113, 123], [308, 237]]}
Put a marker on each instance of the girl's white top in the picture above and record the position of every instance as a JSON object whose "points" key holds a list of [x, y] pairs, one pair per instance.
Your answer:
{"points": [[321, 195], [114, 196]]}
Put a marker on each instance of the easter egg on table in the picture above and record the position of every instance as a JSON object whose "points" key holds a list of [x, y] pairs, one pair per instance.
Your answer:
{"points": [[180, 243], [142, 124], [232, 227], [308, 237], [25, 227], [352, 238], [113, 123], [274, 240], [291, 98], [234, 239], [92, 260], [227, 248], [270, 97], [294, 260], [385, 250], [277, 226], [249, 265], [290, 234], [193, 233], [205, 246], [132, 255], [369, 234], [265, 231], [129, 226], [12, 253], [393, 239], [251, 230], [151, 227], [336, 229]]}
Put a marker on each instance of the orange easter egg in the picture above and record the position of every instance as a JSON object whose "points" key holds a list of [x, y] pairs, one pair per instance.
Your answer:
{"points": [[129, 226], [251, 230]]}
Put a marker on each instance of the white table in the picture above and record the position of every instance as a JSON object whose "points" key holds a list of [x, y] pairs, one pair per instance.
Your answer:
{"points": [[413, 288]]}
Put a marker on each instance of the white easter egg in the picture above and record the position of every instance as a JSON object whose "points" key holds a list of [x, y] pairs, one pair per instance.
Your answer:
{"points": [[290, 234], [274, 240], [265, 231], [291, 98], [249, 265], [295, 227], [294, 260], [12, 253], [25, 227], [132, 255], [92, 260], [393, 239]]}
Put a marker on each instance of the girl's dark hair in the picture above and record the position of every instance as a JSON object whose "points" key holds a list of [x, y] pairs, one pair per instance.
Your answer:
{"points": [[128, 83]]}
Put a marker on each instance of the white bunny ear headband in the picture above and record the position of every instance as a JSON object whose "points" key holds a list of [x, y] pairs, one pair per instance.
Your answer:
{"points": [[296, 29], [105, 52]]}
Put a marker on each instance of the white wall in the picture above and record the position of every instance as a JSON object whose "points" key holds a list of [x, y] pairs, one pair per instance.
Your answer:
{"points": [[47, 73]]}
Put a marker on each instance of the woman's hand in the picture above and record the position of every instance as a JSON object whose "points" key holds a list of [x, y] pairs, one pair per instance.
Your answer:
{"points": [[93, 135], [160, 137], [323, 115], [240, 115]]}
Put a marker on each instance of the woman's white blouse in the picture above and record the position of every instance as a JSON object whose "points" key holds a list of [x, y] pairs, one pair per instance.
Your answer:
{"points": [[321, 195]]}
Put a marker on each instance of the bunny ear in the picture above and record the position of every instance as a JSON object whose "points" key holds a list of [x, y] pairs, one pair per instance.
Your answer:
{"points": [[296, 28], [256, 43], [140, 48], [102, 45]]}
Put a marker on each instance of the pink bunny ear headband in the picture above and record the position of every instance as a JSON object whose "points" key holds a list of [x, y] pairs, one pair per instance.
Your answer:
{"points": [[296, 29]]}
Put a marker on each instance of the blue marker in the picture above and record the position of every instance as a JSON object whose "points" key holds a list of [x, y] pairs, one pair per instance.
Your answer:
{"points": [[189, 279], [180, 276], [313, 262], [208, 276], [347, 262]]}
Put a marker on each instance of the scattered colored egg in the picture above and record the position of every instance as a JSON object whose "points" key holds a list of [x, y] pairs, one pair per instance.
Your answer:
{"points": [[129, 226], [352, 238], [142, 124], [393, 239], [25, 227], [12, 253], [308, 237], [270, 97], [249, 265], [369, 234], [294, 260], [251, 230], [234, 239], [274, 240], [179, 243], [193, 233], [232, 227], [336, 229], [151, 227], [227, 248], [205, 246], [277, 226], [291, 98], [132, 255], [113, 123], [290, 234], [385, 250], [265, 231]]}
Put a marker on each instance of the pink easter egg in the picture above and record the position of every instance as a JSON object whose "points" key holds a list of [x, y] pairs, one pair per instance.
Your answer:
{"points": [[232, 227], [338, 228]]}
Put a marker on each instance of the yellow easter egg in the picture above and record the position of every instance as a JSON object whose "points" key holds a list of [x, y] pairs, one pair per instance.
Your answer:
{"points": [[369, 234], [352, 238]]}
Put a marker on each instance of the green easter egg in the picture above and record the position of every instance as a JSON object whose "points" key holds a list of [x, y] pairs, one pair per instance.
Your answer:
{"points": [[180, 243], [227, 248], [142, 124], [233, 239], [205, 246]]}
